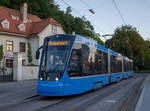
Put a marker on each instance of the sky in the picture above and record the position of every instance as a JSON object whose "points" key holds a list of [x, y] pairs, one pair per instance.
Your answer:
{"points": [[106, 18]]}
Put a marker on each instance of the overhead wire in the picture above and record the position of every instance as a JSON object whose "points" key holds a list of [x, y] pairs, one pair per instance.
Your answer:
{"points": [[82, 16], [98, 6], [119, 12], [85, 3], [113, 1], [102, 5], [72, 8], [88, 6]]}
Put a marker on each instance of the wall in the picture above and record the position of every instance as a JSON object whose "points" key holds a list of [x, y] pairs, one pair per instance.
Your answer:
{"points": [[34, 41], [17, 66], [29, 72], [16, 40], [23, 72], [47, 32]]}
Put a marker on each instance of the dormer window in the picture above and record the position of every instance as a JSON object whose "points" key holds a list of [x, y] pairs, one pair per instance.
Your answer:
{"points": [[5, 24], [22, 27], [14, 17], [29, 20]]}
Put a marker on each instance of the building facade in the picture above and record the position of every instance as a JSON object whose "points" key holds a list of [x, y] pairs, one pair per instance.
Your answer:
{"points": [[19, 29]]}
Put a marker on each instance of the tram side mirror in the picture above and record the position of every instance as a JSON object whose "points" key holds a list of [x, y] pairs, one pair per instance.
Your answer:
{"points": [[38, 52]]}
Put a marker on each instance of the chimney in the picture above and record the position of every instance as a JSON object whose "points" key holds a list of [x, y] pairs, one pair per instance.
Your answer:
{"points": [[23, 12]]}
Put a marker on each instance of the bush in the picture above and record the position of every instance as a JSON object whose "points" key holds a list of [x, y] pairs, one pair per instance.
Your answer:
{"points": [[29, 53], [1, 55], [1, 52]]}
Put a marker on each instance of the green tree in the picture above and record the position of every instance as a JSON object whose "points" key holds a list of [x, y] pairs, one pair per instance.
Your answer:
{"points": [[1, 55], [1, 52], [127, 41], [47, 8], [147, 55], [4, 2], [29, 53]]}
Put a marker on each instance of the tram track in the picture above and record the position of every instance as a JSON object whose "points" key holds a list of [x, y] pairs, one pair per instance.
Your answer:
{"points": [[69, 103], [107, 98], [31, 103], [131, 100], [83, 101]]}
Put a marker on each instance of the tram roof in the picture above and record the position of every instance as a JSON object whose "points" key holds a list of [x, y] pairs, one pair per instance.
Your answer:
{"points": [[90, 41]]}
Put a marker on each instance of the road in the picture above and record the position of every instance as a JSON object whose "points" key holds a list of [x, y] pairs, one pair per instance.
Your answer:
{"points": [[21, 96]]}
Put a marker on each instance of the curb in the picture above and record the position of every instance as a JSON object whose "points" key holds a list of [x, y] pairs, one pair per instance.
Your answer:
{"points": [[140, 102]]}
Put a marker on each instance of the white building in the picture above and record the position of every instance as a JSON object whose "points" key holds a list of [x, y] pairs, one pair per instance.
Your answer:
{"points": [[18, 28]]}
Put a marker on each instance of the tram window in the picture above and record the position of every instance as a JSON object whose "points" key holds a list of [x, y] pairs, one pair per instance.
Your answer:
{"points": [[116, 64], [105, 63], [98, 62], [75, 63], [128, 66], [85, 59], [74, 67], [131, 66], [125, 65], [113, 64], [119, 64], [92, 63]]}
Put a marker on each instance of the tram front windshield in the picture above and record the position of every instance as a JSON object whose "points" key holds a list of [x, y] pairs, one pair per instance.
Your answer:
{"points": [[55, 56]]}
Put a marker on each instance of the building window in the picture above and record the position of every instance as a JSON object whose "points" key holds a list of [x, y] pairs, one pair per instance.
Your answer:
{"points": [[9, 45], [22, 27], [54, 29], [9, 63], [29, 20], [14, 17], [5, 24], [22, 47]]}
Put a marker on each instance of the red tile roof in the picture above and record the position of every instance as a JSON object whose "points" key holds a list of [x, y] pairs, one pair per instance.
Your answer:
{"points": [[35, 27], [39, 26]]}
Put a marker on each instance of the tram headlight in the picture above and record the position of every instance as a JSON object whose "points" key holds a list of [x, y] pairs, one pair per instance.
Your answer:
{"points": [[41, 78], [56, 79]]}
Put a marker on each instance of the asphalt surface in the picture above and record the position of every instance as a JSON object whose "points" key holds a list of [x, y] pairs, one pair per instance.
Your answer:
{"points": [[121, 96]]}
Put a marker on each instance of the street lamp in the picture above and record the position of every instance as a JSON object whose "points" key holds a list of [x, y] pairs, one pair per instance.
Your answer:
{"points": [[92, 11]]}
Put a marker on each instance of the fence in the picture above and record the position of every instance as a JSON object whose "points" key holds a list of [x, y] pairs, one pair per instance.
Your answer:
{"points": [[4, 74]]}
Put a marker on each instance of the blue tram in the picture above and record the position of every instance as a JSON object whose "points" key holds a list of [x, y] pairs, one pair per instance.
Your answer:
{"points": [[72, 64]]}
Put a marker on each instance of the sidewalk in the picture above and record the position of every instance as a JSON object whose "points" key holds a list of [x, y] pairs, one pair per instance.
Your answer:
{"points": [[144, 100], [11, 92]]}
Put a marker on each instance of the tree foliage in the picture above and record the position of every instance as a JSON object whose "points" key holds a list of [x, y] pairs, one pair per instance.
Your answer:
{"points": [[47, 8], [127, 41], [1, 52], [29, 53], [147, 55]]}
